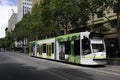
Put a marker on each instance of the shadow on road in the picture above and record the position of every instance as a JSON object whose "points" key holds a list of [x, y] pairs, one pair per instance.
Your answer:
{"points": [[15, 71]]}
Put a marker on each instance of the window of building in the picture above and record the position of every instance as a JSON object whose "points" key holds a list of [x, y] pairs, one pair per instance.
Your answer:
{"points": [[23, 9], [115, 8], [100, 14], [114, 23]]}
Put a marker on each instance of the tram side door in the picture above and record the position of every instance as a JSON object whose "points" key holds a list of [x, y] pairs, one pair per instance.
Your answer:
{"points": [[49, 51], [40, 52], [34, 50], [86, 55], [76, 50], [62, 51]]}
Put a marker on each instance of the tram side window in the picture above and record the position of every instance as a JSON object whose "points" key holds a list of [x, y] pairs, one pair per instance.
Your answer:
{"points": [[44, 48], [77, 47], [52, 47], [86, 46], [67, 47]]}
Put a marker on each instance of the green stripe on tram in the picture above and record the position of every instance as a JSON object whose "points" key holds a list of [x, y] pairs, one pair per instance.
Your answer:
{"points": [[69, 37], [74, 59]]}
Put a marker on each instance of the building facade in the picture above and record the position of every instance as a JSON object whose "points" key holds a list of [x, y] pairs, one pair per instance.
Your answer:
{"points": [[106, 22], [36, 1], [11, 22], [24, 6]]}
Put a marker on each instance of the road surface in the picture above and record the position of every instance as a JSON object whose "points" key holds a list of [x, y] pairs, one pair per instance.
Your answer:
{"points": [[19, 66]]}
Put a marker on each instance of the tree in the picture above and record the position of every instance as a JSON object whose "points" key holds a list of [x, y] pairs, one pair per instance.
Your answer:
{"points": [[37, 26], [65, 14], [2, 43]]}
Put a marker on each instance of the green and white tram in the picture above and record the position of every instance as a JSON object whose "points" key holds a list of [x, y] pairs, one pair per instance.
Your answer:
{"points": [[85, 48]]}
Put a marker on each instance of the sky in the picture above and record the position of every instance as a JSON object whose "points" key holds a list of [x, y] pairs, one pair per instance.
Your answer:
{"points": [[6, 7]]}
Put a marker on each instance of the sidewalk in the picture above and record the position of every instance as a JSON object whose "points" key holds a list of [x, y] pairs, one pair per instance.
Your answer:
{"points": [[113, 62]]}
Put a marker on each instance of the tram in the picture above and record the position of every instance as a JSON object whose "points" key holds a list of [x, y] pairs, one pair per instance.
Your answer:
{"points": [[86, 48]]}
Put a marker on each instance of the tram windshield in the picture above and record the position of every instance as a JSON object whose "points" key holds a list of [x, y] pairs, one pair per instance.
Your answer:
{"points": [[98, 48]]}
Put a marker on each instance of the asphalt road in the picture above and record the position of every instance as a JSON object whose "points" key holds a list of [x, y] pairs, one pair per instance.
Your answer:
{"points": [[19, 66]]}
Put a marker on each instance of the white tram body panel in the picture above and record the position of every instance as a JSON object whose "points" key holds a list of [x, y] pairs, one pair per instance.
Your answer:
{"points": [[84, 48], [97, 55], [48, 43]]}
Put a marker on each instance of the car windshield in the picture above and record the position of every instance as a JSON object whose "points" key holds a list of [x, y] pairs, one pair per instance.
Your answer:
{"points": [[98, 48]]}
